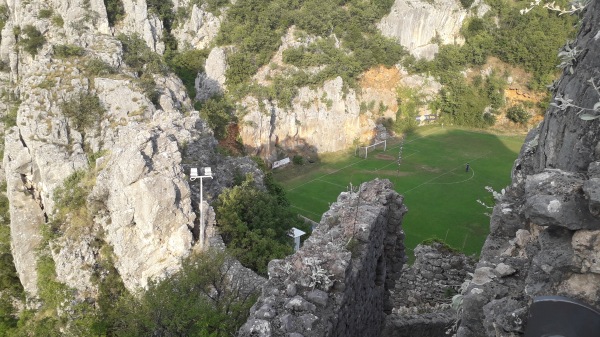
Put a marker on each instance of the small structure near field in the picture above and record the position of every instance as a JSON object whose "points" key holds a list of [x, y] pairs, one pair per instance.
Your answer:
{"points": [[281, 162]]}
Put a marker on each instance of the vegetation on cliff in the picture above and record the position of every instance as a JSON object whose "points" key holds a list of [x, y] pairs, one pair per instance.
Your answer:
{"points": [[10, 286], [529, 41], [254, 224]]}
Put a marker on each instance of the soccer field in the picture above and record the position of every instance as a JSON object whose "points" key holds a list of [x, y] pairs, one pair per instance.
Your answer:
{"points": [[440, 195]]}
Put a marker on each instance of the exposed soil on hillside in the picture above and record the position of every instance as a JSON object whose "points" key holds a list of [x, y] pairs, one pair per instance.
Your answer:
{"points": [[231, 141], [380, 78]]}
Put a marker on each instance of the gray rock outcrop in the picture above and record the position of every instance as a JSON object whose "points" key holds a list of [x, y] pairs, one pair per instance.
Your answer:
{"points": [[301, 126], [544, 229], [416, 24], [212, 81], [338, 283], [139, 201], [199, 30]]}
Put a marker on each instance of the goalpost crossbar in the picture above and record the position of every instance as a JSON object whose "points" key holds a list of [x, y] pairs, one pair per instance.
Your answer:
{"points": [[366, 148]]}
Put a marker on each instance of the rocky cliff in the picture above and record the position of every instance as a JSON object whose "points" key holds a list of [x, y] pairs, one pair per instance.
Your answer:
{"points": [[275, 129], [78, 107], [421, 26], [545, 227]]}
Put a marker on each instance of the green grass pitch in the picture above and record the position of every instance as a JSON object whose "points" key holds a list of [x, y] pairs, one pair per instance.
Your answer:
{"points": [[441, 197]]}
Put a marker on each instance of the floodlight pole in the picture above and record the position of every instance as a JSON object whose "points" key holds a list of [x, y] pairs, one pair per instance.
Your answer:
{"points": [[193, 176]]}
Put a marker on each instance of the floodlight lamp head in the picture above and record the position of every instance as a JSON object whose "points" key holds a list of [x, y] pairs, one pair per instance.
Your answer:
{"points": [[208, 171], [193, 173]]}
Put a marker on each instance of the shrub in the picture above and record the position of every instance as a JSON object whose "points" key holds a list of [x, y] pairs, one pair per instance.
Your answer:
{"points": [[45, 13], [518, 114], [217, 111], [139, 57], [164, 10], [254, 225], [199, 300], [58, 21], [84, 110], [298, 160], [186, 65], [10, 119], [466, 3], [33, 41], [115, 11], [4, 15], [68, 50], [98, 67]]}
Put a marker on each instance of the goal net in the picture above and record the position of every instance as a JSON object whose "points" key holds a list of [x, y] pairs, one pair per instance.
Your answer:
{"points": [[363, 151]]}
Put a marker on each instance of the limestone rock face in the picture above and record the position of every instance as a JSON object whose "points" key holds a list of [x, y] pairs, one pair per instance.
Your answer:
{"points": [[147, 25], [135, 156], [301, 126], [148, 203], [338, 283], [543, 238], [414, 24], [212, 81], [199, 30]]}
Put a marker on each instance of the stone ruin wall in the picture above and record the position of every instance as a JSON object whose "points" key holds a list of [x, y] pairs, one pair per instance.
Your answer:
{"points": [[423, 295], [339, 282]]}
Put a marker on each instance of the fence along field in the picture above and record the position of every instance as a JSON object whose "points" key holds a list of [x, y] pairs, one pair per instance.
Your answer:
{"points": [[440, 194]]}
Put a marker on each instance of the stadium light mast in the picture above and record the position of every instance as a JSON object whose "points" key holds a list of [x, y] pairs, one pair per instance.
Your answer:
{"points": [[207, 173]]}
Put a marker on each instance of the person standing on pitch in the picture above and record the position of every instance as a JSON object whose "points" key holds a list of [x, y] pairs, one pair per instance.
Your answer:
{"points": [[467, 168]]}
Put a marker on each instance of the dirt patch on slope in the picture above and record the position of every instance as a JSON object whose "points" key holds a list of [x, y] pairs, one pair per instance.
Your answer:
{"points": [[380, 78]]}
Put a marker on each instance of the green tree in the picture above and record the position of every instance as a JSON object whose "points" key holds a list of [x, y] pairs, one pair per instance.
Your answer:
{"points": [[115, 11], [186, 64], [10, 285], [254, 225], [218, 112], [83, 110], [518, 114]]}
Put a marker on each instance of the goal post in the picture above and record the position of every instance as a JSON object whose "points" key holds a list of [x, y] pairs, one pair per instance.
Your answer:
{"points": [[363, 151]]}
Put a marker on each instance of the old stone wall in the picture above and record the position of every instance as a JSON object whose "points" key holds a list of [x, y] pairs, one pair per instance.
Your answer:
{"points": [[545, 228], [423, 294], [338, 283]]}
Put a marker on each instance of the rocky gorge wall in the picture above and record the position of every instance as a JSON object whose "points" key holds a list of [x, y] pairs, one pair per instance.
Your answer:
{"points": [[135, 157], [546, 226], [339, 282], [273, 129]]}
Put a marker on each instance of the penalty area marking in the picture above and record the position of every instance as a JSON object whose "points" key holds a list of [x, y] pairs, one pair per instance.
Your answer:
{"points": [[428, 182]]}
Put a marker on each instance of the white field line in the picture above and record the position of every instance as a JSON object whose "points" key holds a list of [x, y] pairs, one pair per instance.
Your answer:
{"points": [[305, 210], [443, 174], [457, 182], [349, 165], [334, 184]]}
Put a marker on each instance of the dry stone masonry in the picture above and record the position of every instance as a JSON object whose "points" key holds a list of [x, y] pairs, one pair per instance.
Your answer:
{"points": [[423, 294], [339, 282]]}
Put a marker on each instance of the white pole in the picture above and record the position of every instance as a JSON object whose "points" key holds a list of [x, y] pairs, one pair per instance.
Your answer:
{"points": [[384, 145], [201, 217]]}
